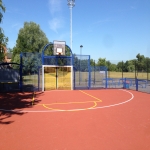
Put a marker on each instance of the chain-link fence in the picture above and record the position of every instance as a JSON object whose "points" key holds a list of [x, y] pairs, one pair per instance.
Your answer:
{"points": [[31, 71], [9, 77], [133, 74], [82, 76], [136, 74]]}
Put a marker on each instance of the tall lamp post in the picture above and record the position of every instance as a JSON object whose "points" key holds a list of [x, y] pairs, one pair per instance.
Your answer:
{"points": [[81, 49], [71, 4], [80, 63]]}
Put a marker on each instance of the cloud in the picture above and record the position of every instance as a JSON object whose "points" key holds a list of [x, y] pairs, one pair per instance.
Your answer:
{"points": [[55, 6], [17, 26], [102, 21], [57, 21], [133, 7], [56, 24], [97, 23], [15, 11]]}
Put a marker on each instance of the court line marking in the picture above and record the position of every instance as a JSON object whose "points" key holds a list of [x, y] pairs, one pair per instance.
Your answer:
{"points": [[69, 103], [43, 111], [95, 104], [132, 96], [91, 96]]}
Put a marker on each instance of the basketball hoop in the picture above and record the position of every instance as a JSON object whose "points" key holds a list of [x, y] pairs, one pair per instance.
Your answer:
{"points": [[59, 48], [58, 54]]}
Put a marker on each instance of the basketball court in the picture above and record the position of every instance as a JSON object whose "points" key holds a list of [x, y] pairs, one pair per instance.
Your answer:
{"points": [[79, 119], [63, 103]]}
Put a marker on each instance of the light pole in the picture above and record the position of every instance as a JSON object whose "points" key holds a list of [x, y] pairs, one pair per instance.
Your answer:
{"points": [[71, 4], [81, 49], [80, 62]]}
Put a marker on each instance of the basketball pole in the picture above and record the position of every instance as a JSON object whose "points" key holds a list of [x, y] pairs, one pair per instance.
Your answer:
{"points": [[71, 4]]}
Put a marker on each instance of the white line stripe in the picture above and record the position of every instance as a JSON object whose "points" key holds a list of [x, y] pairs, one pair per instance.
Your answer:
{"points": [[118, 103], [24, 111]]}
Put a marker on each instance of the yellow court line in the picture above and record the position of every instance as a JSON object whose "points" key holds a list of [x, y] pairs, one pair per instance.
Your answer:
{"points": [[95, 104], [91, 96], [70, 103]]}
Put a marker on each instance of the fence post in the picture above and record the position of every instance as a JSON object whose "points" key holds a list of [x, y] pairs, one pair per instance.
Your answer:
{"points": [[135, 69], [38, 78], [124, 83], [122, 69], [94, 72], [136, 81], [147, 68], [89, 66], [106, 82], [21, 78], [74, 78]]}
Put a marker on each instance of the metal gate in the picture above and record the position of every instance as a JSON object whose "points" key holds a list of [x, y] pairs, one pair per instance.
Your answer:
{"points": [[57, 78]]}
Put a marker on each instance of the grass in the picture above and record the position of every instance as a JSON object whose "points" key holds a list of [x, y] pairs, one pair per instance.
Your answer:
{"points": [[141, 75], [65, 81]]}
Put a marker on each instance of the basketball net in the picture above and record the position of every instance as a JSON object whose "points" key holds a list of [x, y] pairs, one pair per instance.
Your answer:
{"points": [[59, 54]]}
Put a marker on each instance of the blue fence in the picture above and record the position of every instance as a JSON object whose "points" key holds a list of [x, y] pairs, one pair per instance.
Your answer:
{"points": [[30, 72], [85, 76], [82, 74]]}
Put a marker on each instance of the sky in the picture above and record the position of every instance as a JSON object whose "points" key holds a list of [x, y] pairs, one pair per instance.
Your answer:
{"points": [[112, 29]]}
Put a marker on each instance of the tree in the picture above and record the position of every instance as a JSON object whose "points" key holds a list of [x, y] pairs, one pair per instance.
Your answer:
{"points": [[30, 39], [101, 62], [140, 62], [112, 67], [2, 9], [92, 62], [108, 65], [3, 38]]}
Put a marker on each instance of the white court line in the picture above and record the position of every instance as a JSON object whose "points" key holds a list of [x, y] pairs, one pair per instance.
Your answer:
{"points": [[108, 106], [132, 96]]}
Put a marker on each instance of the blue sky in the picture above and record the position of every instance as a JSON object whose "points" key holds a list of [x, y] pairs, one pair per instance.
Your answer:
{"points": [[111, 29]]}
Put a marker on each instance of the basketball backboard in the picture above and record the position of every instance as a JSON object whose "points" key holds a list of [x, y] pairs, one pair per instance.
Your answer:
{"points": [[59, 48]]}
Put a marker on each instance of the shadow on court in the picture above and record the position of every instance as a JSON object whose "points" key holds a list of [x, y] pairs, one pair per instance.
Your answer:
{"points": [[14, 101]]}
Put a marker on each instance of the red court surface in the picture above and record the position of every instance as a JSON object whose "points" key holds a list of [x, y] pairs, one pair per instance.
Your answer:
{"points": [[75, 120]]}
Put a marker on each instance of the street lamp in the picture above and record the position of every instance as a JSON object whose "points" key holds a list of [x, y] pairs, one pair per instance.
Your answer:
{"points": [[80, 62], [81, 49], [71, 4]]}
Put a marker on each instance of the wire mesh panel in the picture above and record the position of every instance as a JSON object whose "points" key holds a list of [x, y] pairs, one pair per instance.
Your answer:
{"points": [[57, 60], [82, 76], [30, 71], [40, 79], [98, 76], [143, 85], [9, 79]]}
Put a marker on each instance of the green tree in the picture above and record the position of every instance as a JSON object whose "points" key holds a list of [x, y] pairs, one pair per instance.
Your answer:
{"points": [[140, 62], [101, 62], [3, 38], [112, 67], [120, 66], [30, 39], [147, 64], [130, 66], [2, 9], [92, 62]]}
